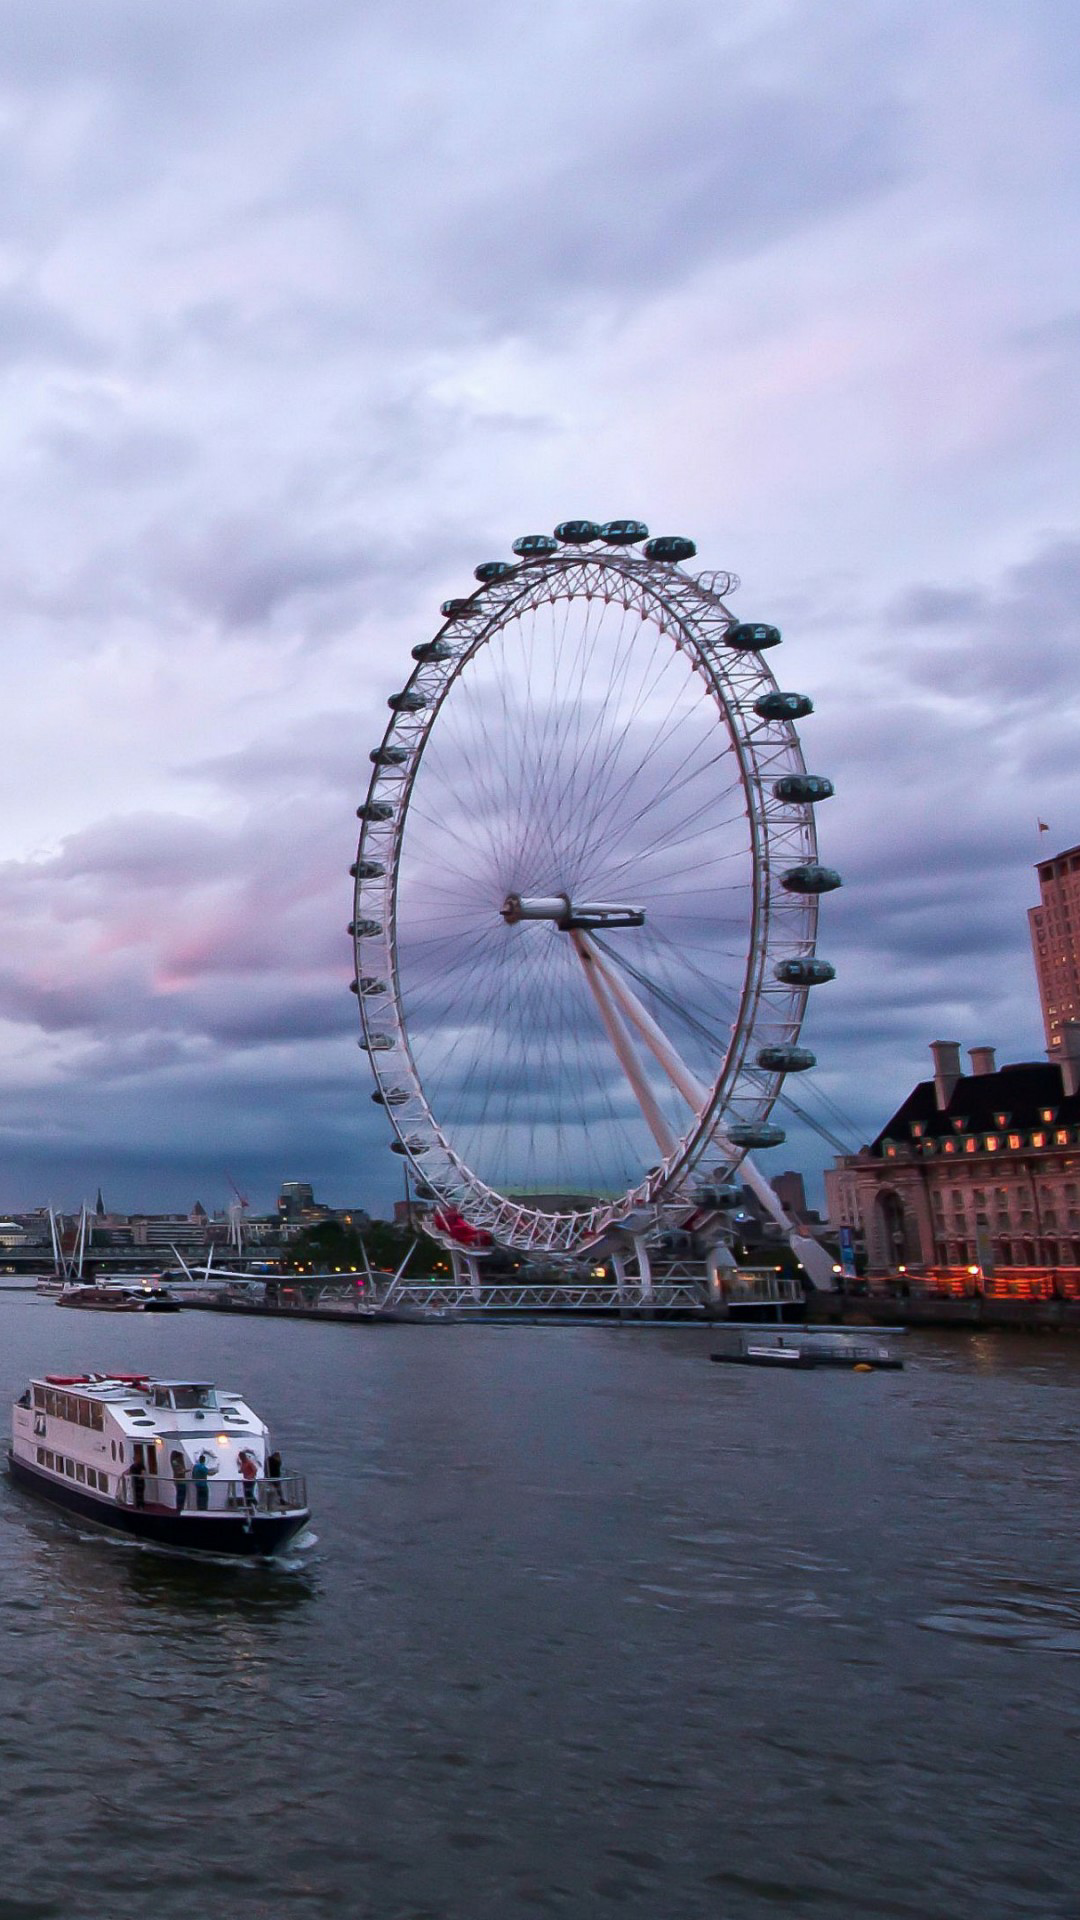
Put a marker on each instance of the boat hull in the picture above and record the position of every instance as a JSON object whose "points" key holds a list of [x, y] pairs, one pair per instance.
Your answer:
{"points": [[232, 1537]]}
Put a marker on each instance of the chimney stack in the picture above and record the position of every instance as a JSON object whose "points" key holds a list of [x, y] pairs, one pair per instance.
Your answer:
{"points": [[1070, 1056], [946, 1070], [982, 1060]]}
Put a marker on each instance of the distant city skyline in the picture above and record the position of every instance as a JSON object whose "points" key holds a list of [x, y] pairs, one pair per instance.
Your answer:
{"points": [[284, 358]]}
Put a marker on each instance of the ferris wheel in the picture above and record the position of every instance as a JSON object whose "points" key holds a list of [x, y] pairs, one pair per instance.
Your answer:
{"points": [[586, 891]]}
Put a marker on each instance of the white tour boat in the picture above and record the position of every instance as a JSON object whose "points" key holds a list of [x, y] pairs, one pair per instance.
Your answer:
{"points": [[176, 1462]]}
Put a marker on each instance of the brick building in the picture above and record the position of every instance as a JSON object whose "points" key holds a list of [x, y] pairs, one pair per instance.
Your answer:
{"points": [[975, 1179], [1055, 942]]}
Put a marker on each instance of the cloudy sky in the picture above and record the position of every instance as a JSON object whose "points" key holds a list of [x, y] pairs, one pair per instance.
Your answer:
{"points": [[304, 309]]}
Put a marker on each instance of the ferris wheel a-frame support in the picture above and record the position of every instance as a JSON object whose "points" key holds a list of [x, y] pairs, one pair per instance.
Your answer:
{"points": [[623, 1015]]}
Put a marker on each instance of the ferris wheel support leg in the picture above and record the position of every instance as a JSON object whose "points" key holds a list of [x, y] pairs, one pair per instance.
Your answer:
{"points": [[810, 1254], [693, 1092], [466, 1271], [623, 1045], [644, 1268], [718, 1262]]}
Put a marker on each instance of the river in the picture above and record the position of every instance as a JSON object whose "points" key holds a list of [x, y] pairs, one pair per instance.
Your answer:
{"points": [[590, 1627]]}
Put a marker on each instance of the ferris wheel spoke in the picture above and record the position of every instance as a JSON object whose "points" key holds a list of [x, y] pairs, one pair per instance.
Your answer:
{"points": [[687, 775]]}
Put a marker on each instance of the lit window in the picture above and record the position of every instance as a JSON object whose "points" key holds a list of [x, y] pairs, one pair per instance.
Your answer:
{"points": [[948, 1146], [992, 1143], [1061, 1137], [1014, 1141], [971, 1146], [1001, 1119], [1038, 1139]]}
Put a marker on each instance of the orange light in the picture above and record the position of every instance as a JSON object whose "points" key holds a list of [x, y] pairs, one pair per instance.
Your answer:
{"points": [[973, 1270]]}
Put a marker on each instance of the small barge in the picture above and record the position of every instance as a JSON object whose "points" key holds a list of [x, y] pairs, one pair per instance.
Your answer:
{"points": [[176, 1463], [796, 1348]]}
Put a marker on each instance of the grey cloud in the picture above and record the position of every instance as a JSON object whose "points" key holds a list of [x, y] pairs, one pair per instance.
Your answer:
{"points": [[655, 192], [936, 607], [242, 571], [118, 458], [328, 750], [33, 329], [1018, 644]]}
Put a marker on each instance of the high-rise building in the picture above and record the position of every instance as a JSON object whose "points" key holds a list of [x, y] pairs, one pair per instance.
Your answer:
{"points": [[1055, 940]]}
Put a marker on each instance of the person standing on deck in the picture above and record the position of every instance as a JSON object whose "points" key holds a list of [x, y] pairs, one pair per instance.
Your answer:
{"points": [[179, 1474], [200, 1474], [249, 1468]]}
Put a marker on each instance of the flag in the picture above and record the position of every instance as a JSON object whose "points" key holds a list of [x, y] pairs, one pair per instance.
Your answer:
{"points": [[1042, 826]]}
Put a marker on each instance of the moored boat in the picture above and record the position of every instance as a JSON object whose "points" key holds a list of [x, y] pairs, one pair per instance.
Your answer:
{"points": [[178, 1463], [111, 1297], [798, 1347]]}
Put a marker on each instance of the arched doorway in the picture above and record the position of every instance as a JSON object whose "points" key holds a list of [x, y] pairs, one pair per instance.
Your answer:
{"points": [[896, 1236]]}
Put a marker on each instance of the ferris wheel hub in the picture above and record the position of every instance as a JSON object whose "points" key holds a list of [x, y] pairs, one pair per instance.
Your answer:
{"points": [[567, 916]]}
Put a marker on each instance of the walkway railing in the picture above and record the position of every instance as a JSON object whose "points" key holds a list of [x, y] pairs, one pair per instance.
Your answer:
{"points": [[285, 1495]]}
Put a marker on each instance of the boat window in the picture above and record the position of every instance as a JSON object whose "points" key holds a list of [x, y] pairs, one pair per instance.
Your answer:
{"points": [[41, 1456], [80, 1472], [188, 1397], [39, 1396]]}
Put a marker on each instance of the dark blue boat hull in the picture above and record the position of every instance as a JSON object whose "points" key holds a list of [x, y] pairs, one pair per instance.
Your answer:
{"points": [[191, 1532]]}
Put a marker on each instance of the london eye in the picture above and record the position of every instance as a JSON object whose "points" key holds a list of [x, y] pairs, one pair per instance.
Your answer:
{"points": [[586, 890]]}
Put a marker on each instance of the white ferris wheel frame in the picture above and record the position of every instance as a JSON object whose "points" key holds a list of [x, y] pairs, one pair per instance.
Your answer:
{"points": [[692, 613]]}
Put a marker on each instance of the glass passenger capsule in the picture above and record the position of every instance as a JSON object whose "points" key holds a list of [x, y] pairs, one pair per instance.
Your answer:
{"points": [[755, 1133], [783, 706], [436, 649], [388, 756], [414, 1144], [535, 546], [375, 810], [364, 929], [368, 985], [811, 878], [804, 787], [786, 1058], [577, 533], [670, 546], [623, 533], [804, 971], [393, 1097], [376, 1043], [492, 570], [718, 1197], [457, 609], [367, 870], [408, 702], [752, 636]]}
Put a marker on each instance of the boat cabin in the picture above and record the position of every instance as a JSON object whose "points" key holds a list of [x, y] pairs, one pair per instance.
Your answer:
{"points": [[111, 1432]]}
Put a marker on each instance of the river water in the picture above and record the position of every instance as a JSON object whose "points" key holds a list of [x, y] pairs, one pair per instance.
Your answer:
{"points": [[590, 1627]]}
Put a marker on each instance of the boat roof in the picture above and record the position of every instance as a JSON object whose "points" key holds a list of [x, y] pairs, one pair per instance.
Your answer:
{"points": [[120, 1383]]}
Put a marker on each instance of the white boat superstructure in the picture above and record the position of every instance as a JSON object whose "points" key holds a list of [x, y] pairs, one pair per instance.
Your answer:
{"points": [[179, 1462]]}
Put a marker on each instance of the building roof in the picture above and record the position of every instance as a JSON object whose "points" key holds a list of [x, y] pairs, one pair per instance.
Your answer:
{"points": [[1021, 1091]]}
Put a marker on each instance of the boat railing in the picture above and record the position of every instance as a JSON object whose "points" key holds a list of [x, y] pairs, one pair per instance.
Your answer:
{"points": [[284, 1494]]}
